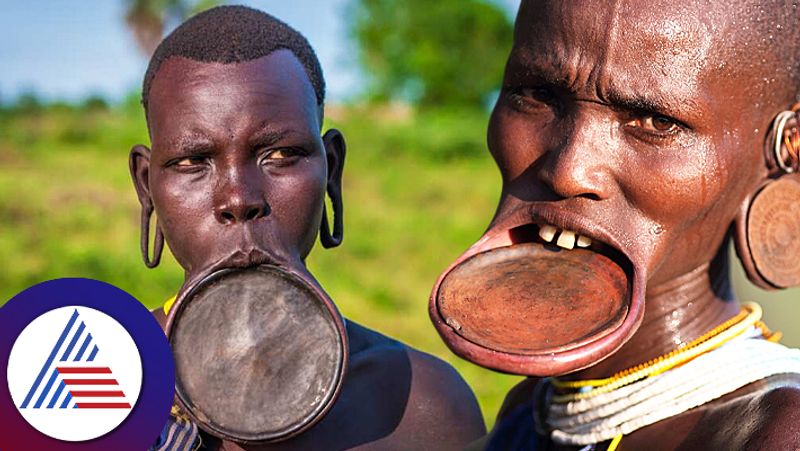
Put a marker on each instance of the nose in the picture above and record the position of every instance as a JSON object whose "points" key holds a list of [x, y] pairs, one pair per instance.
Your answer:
{"points": [[579, 162], [240, 197]]}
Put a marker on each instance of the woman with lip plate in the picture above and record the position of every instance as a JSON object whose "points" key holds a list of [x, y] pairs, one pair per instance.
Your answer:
{"points": [[637, 139], [237, 175]]}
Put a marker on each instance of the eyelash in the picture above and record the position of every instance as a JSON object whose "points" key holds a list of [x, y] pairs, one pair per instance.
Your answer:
{"points": [[538, 97], [293, 154], [652, 133], [196, 161]]}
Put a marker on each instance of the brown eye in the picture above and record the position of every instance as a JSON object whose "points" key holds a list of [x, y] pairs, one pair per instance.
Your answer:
{"points": [[662, 124], [190, 161], [655, 124], [282, 156], [278, 154]]}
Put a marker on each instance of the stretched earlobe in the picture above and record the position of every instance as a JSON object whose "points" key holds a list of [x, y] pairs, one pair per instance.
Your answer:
{"points": [[767, 228], [328, 239], [335, 150], [783, 153], [144, 240], [139, 165]]}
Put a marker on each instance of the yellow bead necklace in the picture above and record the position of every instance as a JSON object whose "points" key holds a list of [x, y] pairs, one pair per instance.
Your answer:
{"points": [[749, 316]]}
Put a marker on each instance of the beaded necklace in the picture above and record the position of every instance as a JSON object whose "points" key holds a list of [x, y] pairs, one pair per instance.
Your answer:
{"points": [[592, 411]]}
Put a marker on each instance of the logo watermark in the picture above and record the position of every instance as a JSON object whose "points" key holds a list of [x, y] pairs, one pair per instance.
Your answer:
{"points": [[61, 381], [88, 368]]}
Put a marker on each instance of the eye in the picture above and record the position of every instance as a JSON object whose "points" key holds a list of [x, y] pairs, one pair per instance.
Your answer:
{"points": [[532, 97], [281, 155], [189, 162], [656, 124]]}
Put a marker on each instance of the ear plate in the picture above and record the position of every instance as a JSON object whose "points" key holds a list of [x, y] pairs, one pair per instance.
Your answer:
{"points": [[768, 240]]}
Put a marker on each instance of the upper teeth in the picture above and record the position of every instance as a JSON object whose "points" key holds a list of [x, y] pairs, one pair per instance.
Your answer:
{"points": [[567, 239]]}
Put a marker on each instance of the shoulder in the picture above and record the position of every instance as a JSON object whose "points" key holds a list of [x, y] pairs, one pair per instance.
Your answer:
{"points": [[764, 415], [160, 316], [519, 395], [776, 414], [441, 391], [440, 406], [440, 395]]}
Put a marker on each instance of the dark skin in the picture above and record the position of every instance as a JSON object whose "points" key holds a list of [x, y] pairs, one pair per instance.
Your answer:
{"points": [[633, 116], [238, 164]]}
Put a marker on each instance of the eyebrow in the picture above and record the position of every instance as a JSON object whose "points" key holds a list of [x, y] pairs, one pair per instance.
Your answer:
{"points": [[266, 135], [546, 72], [191, 143], [195, 142], [638, 102]]}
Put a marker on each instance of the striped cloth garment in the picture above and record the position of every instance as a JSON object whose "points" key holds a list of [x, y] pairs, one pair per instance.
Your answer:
{"points": [[179, 434]]}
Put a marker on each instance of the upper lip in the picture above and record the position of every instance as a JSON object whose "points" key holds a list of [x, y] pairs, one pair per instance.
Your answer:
{"points": [[541, 213], [244, 258]]}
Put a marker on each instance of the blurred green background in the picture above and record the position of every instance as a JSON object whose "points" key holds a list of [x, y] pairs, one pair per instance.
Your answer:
{"points": [[420, 186]]}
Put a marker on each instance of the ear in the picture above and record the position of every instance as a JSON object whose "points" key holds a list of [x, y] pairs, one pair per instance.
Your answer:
{"points": [[783, 146], [139, 165], [335, 150]]}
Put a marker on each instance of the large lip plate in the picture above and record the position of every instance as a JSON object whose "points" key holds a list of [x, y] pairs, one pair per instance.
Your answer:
{"points": [[312, 417], [528, 298], [546, 363]]}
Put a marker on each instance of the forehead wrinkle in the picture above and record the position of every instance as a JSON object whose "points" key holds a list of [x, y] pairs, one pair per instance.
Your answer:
{"points": [[561, 39], [598, 55], [658, 60]]}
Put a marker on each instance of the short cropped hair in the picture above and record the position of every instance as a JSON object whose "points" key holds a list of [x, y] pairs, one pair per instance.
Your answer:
{"points": [[234, 34]]}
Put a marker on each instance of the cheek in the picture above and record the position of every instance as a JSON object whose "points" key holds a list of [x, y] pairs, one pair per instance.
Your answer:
{"points": [[297, 205], [689, 199], [513, 141], [677, 187], [182, 218]]}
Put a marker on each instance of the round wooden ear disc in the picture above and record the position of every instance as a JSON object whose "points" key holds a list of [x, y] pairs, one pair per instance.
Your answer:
{"points": [[773, 232], [529, 299], [259, 355]]}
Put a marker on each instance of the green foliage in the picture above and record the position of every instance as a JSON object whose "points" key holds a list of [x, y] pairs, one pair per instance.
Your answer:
{"points": [[147, 19], [432, 53], [419, 188], [68, 209]]}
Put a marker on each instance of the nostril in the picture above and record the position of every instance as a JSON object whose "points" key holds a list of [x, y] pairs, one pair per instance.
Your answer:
{"points": [[252, 213], [227, 216]]}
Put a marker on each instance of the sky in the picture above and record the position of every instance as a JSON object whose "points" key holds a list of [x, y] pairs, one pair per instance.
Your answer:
{"points": [[70, 49]]}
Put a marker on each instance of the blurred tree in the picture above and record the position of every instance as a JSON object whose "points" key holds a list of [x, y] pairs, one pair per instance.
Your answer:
{"points": [[147, 19], [29, 102], [431, 53]]}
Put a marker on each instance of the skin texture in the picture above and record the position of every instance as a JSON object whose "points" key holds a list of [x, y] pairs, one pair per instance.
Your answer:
{"points": [[633, 116], [237, 175]]}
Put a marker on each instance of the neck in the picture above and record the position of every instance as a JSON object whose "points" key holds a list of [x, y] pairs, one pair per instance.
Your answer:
{"points": [[676, 313]]}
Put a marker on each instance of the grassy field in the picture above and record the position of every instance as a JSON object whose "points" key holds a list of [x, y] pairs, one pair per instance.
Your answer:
{"points": [[419, 188]]}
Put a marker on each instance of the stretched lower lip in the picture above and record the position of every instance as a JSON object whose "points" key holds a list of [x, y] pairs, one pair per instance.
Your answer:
{"points": [[479, 308], [264, 299]]}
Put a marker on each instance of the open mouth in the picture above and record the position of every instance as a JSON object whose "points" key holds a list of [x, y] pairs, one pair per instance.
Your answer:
{"points": [[538, 299]]}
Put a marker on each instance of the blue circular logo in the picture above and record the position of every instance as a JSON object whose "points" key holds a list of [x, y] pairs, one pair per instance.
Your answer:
{"points": [[88, 367]]}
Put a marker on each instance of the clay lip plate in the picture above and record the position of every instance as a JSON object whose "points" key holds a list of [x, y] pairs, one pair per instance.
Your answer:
{"points": [[268, 363], [533, 309]]}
